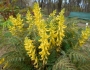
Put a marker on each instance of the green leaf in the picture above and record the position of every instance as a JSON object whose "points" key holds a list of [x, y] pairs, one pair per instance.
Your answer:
{"points": [[63, 63], [7, 34], [78, 56], [7, 24]]}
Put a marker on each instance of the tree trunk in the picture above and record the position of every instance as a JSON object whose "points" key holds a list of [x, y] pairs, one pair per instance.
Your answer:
{"points": [[59, 5]]}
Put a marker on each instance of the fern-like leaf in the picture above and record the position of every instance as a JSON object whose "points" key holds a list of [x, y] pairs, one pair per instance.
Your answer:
{"points": [[63, 63], [85, 66], [78, 56]]}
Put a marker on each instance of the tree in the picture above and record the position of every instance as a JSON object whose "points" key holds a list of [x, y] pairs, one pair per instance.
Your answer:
{"points": [[59, 5]]}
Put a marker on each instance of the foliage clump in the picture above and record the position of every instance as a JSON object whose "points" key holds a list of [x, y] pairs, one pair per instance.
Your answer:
{"points": [[44, 44]]}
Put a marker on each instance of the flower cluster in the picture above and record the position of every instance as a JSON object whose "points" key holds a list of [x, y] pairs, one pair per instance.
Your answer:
{"points": [[37, 15], [53, 34], [29, 19], [60, 32], [52, 29], [49, 35], [16, 25], [84, 36], [44, 44], [2, 60], [52, 14], [31, 51], [28, 16]]}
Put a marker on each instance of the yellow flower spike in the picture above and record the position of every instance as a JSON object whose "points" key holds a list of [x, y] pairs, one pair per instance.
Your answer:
{"points": [[17, 25], [35, 63], [53, 34], [44, 46], [31, 51], [84, 36], [41, 26], [61, 27], [2, 60], [37, 16], [19, 17], [60, 33], [29, 19], [28, 16], [53, 13]]}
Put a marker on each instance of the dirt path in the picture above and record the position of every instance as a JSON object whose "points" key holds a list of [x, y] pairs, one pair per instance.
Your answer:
{"points": [[82, 25]]}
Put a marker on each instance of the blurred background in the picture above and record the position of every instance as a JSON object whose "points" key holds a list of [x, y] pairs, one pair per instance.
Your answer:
{"points": [[49, 5]]}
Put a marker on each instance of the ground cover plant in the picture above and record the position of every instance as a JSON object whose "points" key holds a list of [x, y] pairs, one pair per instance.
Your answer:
{"points": [[36, 43]]}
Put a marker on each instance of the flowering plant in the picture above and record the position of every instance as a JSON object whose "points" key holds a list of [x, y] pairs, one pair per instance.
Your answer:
{"points": [[39, 42]]}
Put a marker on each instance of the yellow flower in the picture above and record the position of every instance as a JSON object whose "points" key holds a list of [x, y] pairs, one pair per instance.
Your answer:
{"points": [[28, 16], [17, 25], [41, 26], [84, 36], [2, 60], [44, 46], [36, 11], [52, 14], [53, 34], [60, 31], [37, 15], [31, 51]]}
